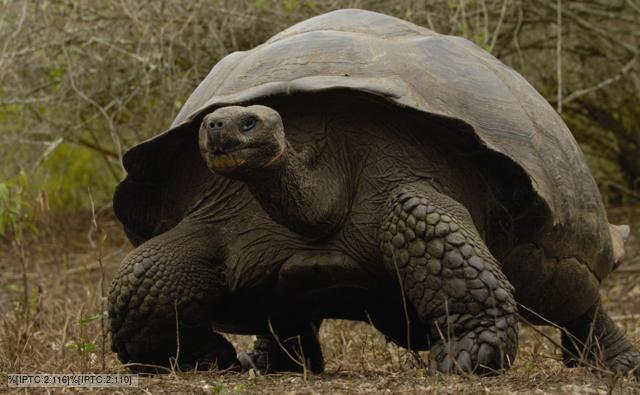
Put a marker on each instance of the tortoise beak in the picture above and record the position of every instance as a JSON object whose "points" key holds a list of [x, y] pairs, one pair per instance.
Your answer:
{"points": [[227, 162], [217, 139]]}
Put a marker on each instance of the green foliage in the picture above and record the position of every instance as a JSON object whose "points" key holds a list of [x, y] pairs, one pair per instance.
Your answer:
{"points": [[290, 5], [26, 304], [62, 181], [94, 318], [80, 346], [16, 210], [70, 172], [70, 69], [481, 40]]}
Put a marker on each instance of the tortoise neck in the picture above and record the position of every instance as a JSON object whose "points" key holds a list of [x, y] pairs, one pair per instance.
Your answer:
{"points": [[301, 194]]}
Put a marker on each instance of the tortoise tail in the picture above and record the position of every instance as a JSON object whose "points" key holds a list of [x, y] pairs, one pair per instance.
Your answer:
{"points": [[619, 234]]}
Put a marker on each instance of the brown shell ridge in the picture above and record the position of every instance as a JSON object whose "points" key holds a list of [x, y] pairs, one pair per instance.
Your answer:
{"points": [[353, 33], [353, 21], [548, 199]]}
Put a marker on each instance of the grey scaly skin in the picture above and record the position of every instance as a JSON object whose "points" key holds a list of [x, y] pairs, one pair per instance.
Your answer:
{"points": [[452, 280], [159, 302], [596, 339]]}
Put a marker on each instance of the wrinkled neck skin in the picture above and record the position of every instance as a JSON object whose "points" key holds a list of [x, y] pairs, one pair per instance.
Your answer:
{"points": [[302, 193], [243, 236]]}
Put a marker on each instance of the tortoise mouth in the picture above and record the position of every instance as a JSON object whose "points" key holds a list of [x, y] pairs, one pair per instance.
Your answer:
{"points": [[228, 161], [222, 151]]}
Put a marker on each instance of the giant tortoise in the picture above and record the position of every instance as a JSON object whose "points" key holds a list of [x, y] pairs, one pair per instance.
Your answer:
{"points": [[357, 166]]}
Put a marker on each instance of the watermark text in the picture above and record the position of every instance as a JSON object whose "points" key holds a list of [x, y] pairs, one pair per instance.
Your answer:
{"points": [[72, 380]]}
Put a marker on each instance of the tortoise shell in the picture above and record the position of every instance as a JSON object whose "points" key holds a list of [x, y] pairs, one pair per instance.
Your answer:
{"points": [[439, 76]]}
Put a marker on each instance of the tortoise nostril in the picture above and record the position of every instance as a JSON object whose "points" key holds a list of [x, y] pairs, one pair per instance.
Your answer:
{"points": [[215, 125]]}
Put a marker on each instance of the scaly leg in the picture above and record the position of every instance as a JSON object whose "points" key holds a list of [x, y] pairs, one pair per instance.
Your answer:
{"points": [[452, 280], [595, 337], [160, 302]]}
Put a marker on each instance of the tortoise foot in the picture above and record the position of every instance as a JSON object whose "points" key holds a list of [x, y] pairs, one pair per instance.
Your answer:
{"points": [[626, 363], [594, 337], [210, 350], [481, 352], [266, 362], [216, 354], [286, 354]]}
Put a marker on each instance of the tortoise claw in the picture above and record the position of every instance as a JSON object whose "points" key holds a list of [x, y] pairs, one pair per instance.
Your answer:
{"points": [[626, 363], [248, 361]]}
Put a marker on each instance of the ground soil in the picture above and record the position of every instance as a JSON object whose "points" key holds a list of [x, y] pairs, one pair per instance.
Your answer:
{"points": [[70, 262]]}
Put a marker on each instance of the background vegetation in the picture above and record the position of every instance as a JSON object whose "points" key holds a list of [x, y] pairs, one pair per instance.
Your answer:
{"points": [[83, 80]]}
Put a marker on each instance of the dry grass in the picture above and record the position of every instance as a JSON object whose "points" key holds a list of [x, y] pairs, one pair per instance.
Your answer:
{"points": [[59, 330]]}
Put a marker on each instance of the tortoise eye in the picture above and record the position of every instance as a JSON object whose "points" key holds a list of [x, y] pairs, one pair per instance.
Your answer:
{"points": [[249, 124]]}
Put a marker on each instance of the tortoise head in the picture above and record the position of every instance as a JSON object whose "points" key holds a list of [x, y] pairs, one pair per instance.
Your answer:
{"points": [[237, 140]]}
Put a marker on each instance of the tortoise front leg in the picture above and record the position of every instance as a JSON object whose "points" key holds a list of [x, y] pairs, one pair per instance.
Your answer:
{"points": [[160, 302], [302, 276], [452, 280]]}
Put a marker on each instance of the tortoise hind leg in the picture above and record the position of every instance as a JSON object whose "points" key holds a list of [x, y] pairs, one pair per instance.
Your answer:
{"points": [[429, 241], [286, 353], [564, 291], [595, 337]]}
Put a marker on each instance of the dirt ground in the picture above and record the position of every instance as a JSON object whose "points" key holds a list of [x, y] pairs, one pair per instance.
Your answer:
{"points": [[69, 265]]}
